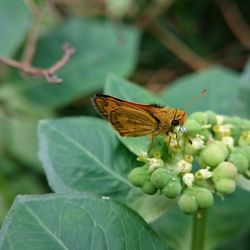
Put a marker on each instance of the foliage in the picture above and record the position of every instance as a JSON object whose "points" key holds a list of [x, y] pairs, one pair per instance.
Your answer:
{"points": [[85, 161]]}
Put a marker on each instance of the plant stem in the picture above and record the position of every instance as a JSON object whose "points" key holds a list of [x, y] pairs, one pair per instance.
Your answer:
{"points": [[198, 233]]}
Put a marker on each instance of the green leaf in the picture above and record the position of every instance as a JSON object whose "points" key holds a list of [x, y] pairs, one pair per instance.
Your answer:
{"points": [[21, 141], [221, 97], [128, 91], [229, 219], [224, 222], [84, 155], [100, 49], [14, 22], [75, 221]]}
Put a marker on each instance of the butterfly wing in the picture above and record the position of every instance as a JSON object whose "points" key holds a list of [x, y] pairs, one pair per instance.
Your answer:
{"points": [[133, 122], [128, 118], [104, 104]]}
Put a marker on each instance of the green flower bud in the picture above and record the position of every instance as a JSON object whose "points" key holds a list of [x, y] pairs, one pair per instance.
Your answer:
{"points": [[187, 203], [214, 153], [157, 155], [159, 148], [204, 198], [211, 116], [225, 170], [138, 176], [245, 150], [240, 161], [201, 163], [192, 127], [172, 189], [188, 158], [160, 178], [226, 186], [148, 188], [244, 139], [206, 134], [200, 117]]}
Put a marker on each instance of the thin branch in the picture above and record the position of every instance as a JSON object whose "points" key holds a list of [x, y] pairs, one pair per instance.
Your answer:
{"points": [[50, 73], [235, 21], [30, 46], [180, 49], [153, 11]]}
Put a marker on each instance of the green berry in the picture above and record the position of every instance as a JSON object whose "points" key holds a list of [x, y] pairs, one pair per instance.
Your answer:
{"points": [[192, 127], [148, 188], [207, 134], [225, 170], [200, 117], [204, 198], [214, 153], [245, 150], [172, 189], [138, 176], [187, 203], [201, 163], [160, 177], [226, 186], [211, 116], [240, 161]]}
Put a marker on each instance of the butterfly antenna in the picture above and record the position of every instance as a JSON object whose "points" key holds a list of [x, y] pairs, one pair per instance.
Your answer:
{"points": [[183, 130], [191, 101]]}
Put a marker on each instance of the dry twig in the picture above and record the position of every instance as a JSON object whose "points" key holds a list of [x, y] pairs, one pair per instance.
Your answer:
{"points": [[30, 45], [235, 21], [50, 73], [153, 11], [180, 49]]}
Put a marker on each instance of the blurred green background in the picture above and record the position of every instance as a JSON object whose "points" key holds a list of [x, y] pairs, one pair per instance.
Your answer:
{"points": [[152, 43]]}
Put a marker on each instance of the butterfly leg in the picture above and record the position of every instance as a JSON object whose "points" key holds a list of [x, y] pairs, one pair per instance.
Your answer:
{"points": [[152, 138], [177, 139]]}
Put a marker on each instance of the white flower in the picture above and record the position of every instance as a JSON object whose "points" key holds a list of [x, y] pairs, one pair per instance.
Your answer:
{"points": [[198, 142], [223, 130], [188, 179], [204, 173], [143, 153], [143, 156], [184, 166], [219, 119], [228, 141], [155, 163]]}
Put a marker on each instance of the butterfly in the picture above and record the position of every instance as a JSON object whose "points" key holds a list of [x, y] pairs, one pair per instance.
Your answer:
{"points": [[133, 119]]}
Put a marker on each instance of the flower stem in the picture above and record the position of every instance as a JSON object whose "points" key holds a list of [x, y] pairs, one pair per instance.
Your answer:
{"points": [[198, 232]]}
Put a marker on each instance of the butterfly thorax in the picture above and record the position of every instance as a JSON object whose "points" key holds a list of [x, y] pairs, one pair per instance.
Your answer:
{"points": [[168, 118]]}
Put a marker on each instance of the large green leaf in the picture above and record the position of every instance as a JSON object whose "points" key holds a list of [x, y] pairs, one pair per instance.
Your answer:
{"points": [[75, 221], [123, 89], [100, 49], [224, 222], [14, 22], [84, 155], [22, 141], [221, 97]]}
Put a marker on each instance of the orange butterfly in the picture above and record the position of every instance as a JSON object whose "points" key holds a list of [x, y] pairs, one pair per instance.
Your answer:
{"points": [[134, 119]]}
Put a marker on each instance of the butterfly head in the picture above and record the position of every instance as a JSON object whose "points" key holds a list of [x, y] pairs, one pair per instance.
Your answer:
{"points": [[179, 118]]}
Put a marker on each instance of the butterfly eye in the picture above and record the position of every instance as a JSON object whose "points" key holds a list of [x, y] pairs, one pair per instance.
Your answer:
{"points": [[175, 122]]}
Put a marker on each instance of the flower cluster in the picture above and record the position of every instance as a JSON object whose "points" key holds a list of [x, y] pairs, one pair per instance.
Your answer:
{"points": [[195, 172]]}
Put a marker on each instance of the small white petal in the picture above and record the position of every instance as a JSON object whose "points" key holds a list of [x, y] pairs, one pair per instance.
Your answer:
{"points": [[188, 179]]}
